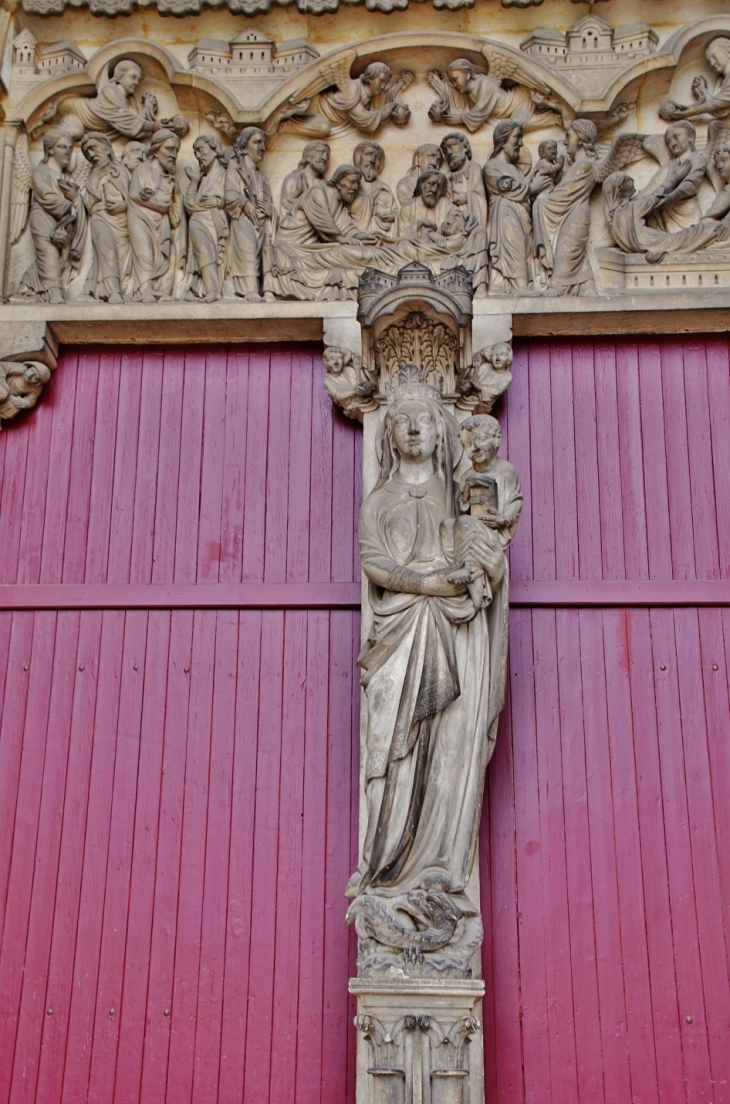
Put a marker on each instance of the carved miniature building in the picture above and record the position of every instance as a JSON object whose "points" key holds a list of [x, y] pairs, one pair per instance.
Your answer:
{"points": [[365, 574]]}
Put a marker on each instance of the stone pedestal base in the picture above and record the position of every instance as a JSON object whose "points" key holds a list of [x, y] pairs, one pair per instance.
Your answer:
{"points": [[632, 272], [419, 1041]]}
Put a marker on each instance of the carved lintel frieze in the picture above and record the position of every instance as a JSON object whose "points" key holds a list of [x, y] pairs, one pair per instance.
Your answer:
{"points": [[29, 355]]}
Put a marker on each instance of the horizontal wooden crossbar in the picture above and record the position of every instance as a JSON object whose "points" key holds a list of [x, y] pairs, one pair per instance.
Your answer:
{"points": [[529, 593]]}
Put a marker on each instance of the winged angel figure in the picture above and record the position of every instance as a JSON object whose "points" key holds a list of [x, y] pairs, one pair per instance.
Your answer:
{"points": [[562, 217], [48, 198], [470, 99], [361, 103]]}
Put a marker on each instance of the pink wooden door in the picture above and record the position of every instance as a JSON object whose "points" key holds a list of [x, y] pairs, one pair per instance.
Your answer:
{"points": [[177, 816], [605, 842], [177, 811]]}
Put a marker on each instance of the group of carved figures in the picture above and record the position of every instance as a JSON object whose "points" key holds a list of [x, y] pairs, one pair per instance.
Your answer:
{"points": [[517, 227]]}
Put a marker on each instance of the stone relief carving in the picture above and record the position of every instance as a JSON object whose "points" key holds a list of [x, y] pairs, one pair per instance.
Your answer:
{"points": [[416, 1055], [347, 384], [487, 378], [21, 385], [517, 212], [243, 7], [433, 553], [421, 340], [363, 103]]}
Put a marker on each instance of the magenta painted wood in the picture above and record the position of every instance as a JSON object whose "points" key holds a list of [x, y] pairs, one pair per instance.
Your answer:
{"points": [[178, 797]]}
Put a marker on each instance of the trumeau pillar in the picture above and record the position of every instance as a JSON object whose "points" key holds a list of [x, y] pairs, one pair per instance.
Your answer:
{"points": [[440, 507]]}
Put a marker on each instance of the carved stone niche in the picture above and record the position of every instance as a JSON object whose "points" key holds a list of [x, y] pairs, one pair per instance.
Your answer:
{"points": [[417, 318]]}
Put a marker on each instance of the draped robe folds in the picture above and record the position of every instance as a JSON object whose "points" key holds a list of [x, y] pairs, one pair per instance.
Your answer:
{"points": [[207, 226], [54, 266], [373, 201], [630, 232], [347, 109], [310, 259], [510, 227], [488, 101], [467, 191], [434, 678], [249, 245], [562, 223], [151, 232], [111, 268], [685, 208], [111, 111], [465, 242]]}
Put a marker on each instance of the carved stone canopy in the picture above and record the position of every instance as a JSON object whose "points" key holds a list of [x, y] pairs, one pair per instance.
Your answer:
{"points": [[419, 318]]}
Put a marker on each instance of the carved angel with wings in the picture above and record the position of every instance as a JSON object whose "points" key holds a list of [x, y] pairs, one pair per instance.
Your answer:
{"points": [[362, 103], [48, 198], [562, 217], [470, 99]]}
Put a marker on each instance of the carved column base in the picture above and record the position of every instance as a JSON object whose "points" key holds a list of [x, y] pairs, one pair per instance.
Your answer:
{"points": [[419, 1041]]}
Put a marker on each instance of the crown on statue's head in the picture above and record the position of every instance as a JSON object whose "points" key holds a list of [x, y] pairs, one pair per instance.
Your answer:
{"points": [[411, 385]]}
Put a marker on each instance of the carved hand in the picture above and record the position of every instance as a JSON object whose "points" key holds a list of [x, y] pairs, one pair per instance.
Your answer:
{"points": [[700, 89]]}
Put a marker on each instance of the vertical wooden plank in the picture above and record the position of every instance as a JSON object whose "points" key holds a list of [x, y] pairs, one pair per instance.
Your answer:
{"points": [[541, 666], [515, 418], [541, 467], [216, 888], [703, 515], [344, 507], [72, 837], [580, 888], [712, 1019], [610, 495], [532, 909], [192, 859], [125, 468], [25, 833], [168, 470], [240, 878], [257, 1080], [211, 475], [629, 873], [320, 491], [232, 507], [679, 855], [506, 1058], [655, 461], [32, 515], [160, 1009], [631, 461], [605, 897], [254, 521], [82, 1013], [565, 501], [18, 679], [191, 455], [309, 1059], [589, 494], [14, 452], [677, 450], [337, 1033], [718, 387], [289, 865], [51, 773], [76, 521], [659, 934], [102, 477], [300, 465], [132, 1012], [148, 464], [278, 459], [57, 486]]}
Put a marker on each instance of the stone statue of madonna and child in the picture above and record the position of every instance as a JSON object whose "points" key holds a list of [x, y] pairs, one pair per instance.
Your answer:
{"points": [[434, 673]]}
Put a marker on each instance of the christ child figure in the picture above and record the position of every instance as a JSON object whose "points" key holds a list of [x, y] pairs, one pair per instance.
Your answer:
{"points": [[489, 493], [548, 170]]}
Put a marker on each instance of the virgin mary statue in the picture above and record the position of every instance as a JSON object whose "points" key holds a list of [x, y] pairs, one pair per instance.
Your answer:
{"points": [[433, 670]]}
